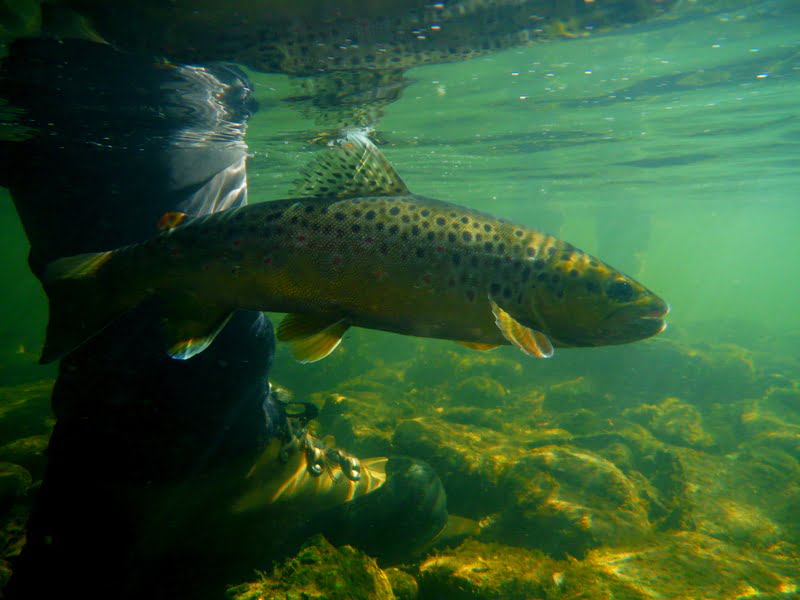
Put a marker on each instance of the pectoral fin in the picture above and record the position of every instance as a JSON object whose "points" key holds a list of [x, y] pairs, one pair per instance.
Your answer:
{"points": [[190, 328], [530, 341], [312, 337], [478, 345]]}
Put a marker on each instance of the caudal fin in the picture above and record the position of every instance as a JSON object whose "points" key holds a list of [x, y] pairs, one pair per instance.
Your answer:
{"points": [[79, 307]]}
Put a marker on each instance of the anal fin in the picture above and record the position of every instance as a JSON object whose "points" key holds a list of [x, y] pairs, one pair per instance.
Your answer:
{"points": [[530, 341], [311, 337], [478, 345], [190, 328]]}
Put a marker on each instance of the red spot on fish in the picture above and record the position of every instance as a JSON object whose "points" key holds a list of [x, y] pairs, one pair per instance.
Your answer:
{"points": [[237, 243], [337, 260], [301, 238], [268, 261], [174, 252], [368, 241], [440, 248], [508, 258], [380, 275], [426, 279], [452, 282]]}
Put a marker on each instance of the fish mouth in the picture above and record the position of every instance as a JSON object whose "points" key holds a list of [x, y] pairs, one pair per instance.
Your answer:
{"points": [[633, 323]]}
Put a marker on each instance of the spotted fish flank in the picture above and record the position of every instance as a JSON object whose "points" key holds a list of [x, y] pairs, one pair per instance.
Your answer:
{"points": [[355, 249]]}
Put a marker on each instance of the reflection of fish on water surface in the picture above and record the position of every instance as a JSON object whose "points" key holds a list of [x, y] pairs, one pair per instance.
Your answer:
{"points": [[308, 37], [356, 249]]}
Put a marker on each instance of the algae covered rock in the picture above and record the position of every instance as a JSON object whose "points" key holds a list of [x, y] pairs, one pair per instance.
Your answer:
{"points": [[684, 565], [480, 391], [28, 452], [14, 482], [480, 571], [673, 421], [404, 586], [566, 500], [320, 572]]}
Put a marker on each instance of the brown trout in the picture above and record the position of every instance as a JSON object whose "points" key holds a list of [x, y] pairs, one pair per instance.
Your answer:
{"points": [[356, 248]]}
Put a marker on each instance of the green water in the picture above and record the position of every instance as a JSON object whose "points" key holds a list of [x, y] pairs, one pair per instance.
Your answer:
{"points": [[671, 150]]}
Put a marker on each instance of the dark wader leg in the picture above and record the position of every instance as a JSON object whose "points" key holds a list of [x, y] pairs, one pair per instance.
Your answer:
{"points": [[118, 141]]}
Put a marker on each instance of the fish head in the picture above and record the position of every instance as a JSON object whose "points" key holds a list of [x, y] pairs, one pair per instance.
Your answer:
{"points": [[596, 305]]}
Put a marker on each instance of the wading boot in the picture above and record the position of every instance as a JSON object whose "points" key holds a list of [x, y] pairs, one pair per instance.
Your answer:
{"points": [[391, 508]]}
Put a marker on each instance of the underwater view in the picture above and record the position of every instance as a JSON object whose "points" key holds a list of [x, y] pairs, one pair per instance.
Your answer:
{"points": [[474, 299]]}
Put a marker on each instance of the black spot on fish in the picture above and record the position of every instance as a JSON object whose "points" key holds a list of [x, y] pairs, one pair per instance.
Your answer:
{"points": [[451, 237], [355, 227], [573, 273], [394, 229], [456, 259], [496, 237], [538, 263], [339, 216], [440, 221], [324, 210], [551, 250], [555, 278], [531, 251], [453, 215], [370, 215], [488, 246], [420, 253], [466, 236], [507, 292], [465, 220], [294, 220], [501, 248], [394, 210], [310, 208], [518, 233], [425, 212], [494, 289], [413, 207], [478, 237], [431, 236], [594, 263], [476, 225], [541, 277], [526, 273], [380, 226], [565, 257], [357, 214], [415, 230], [405, 219], [592, 287], [487, 228]]}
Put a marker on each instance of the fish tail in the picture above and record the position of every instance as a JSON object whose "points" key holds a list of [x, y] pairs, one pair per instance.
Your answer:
{"points": [[79, 306]]}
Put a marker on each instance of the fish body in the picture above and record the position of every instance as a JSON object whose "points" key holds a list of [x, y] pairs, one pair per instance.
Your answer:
{"points": [[357, 249]]}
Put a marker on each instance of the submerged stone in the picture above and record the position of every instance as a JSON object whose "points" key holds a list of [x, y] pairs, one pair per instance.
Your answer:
{"points": [[673, 421], [320, 572], [565, 500], [480, 571]]}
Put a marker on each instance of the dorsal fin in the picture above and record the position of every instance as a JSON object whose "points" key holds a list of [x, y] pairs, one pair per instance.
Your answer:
{"points": [[351, 167]]}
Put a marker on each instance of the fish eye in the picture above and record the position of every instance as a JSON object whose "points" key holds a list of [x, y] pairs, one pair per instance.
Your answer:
{"points": [[621, 291]]}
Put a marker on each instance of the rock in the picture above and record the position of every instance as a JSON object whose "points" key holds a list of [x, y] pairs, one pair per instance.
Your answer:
{"points": [[404, 586], [14, 482], [27, 452], [565, 500], [684, 565], [480, 391], [480, 571], [672, 421], [25, 410], [320, 572]]}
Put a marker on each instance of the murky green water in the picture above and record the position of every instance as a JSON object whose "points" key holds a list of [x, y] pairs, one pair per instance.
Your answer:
{"points": [[670, 149]]}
